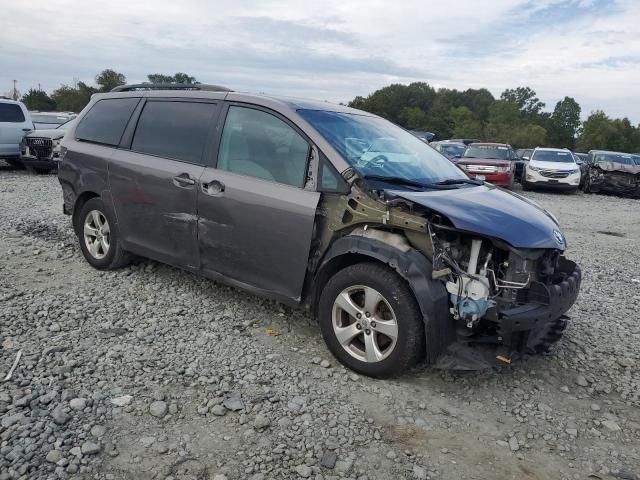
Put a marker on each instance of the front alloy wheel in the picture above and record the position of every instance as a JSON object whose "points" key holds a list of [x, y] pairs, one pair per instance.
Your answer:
{"points": [[370, 320], [364, 323], [97, 234]]}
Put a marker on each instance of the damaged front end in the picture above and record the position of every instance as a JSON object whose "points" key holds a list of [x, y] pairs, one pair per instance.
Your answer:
{"points": [[514, 299], [497, 257], [615, 178]]}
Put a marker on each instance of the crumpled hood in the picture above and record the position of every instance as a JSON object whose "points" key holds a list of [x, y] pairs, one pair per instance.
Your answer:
{"points": [[618, 167], [493, 212]]}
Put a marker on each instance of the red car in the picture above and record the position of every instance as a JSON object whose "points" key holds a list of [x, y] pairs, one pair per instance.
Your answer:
{"points": [[493, 162]]}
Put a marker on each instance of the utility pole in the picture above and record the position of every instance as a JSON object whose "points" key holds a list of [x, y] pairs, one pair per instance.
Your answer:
{"points": [[15, 91]]}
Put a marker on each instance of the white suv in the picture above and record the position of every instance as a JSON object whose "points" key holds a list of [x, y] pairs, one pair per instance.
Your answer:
{"points": [[553, 168], [15, 122]]}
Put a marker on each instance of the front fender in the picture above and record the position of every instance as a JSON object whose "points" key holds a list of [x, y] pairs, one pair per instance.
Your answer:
{"points": [[431, 295]]}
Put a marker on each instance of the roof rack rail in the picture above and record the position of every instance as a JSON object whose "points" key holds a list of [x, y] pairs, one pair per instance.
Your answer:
{"points": [[171, 86]]}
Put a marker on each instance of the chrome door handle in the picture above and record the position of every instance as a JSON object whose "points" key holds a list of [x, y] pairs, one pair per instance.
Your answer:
{"points": [[183, 180], [213, 188]]}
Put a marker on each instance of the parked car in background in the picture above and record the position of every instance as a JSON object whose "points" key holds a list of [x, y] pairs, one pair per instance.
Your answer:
{"points": [[50, 120], [552, 168], [426, 137], [42, 148], [400, 255], [451, 150], [493, 162], [581, 161], [524, 153], [613, 172], [15, 122], [466, 141]]}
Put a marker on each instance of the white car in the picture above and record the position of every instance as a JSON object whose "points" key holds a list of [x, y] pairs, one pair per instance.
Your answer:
{"points": [[50, 120], [15, 122], [552, 168]]}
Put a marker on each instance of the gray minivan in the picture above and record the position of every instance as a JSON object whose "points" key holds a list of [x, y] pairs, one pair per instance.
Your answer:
{"points": [[15, 122], [400, 255]]}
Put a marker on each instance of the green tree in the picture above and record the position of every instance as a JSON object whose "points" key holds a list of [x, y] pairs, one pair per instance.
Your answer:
{"points": [[177, 78], [109, 79], [565, 122], [390, 102], [526, 99], [73, 99], [527, 136], [38, 100], [465, 123], [599, 132], [414, 118]]}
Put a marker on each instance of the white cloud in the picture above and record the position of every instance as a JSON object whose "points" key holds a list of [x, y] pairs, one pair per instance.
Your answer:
{"points": [[336, 49]]}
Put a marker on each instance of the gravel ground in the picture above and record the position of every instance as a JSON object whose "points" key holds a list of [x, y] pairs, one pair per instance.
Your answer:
{"points": [[150, 372]]}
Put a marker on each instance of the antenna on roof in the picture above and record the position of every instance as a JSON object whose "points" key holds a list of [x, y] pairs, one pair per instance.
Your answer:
{"points": [[171, 86]]}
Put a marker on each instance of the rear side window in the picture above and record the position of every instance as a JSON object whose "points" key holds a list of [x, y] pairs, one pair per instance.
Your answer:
{"points": [[175, 130], [106, 121], [11, 113], [258, 144]]}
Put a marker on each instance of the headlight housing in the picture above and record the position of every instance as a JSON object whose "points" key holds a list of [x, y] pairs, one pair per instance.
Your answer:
{"points": [[531, 167], [504, 169]]}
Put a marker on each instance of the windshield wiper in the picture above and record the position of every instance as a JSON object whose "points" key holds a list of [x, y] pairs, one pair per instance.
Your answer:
{"points": [[397, 180], [456, 181], [414, 183]]}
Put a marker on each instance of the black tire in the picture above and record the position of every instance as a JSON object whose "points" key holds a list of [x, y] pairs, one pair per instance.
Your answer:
{"points": [[42, 171], [115, 256], [409, 348], [526, 186]]}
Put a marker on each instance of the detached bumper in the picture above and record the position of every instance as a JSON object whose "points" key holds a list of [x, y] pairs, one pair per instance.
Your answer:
{"points": [[542, 315]]}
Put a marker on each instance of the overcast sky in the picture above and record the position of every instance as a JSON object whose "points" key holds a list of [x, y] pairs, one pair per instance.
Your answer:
{"points": [[336, 49]]}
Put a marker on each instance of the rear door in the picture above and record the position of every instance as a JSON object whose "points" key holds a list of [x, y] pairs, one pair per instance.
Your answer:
{"points": [[15, 122], [154, 178], [256, 218]]}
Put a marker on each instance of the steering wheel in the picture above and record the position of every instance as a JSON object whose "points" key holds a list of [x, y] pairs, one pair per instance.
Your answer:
{"points": [[377, 162]]}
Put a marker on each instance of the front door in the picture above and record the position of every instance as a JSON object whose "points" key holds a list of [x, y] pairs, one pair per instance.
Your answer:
{"points": [[255, 217], [155, 183]]}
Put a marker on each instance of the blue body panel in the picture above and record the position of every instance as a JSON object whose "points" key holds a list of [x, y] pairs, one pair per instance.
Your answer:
{"points": [[493, 212]]}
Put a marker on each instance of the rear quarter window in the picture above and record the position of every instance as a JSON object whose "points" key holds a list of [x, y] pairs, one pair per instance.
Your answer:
{"points": [[106, 121], [11, 113]]}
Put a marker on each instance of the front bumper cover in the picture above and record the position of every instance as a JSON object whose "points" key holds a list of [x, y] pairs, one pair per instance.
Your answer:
{"points": [[543, 315]]}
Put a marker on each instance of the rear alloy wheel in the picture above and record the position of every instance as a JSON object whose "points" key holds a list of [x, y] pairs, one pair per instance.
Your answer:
{"points": [[98, 236], [370, 320]]}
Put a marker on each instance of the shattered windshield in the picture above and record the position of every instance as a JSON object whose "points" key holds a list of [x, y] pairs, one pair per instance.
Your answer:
{"points": [[378, 148], [552, 156], [487, 152]]}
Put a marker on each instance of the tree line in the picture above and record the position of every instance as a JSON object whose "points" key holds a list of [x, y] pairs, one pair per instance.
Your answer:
{"points": [[518, 117], [67, 98]]}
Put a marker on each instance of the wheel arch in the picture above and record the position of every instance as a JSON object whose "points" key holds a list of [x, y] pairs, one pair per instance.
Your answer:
{"points": [[414, 267]]}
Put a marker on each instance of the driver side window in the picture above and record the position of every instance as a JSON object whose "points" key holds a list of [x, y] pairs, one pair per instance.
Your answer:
{"points": [[258, 144]]}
